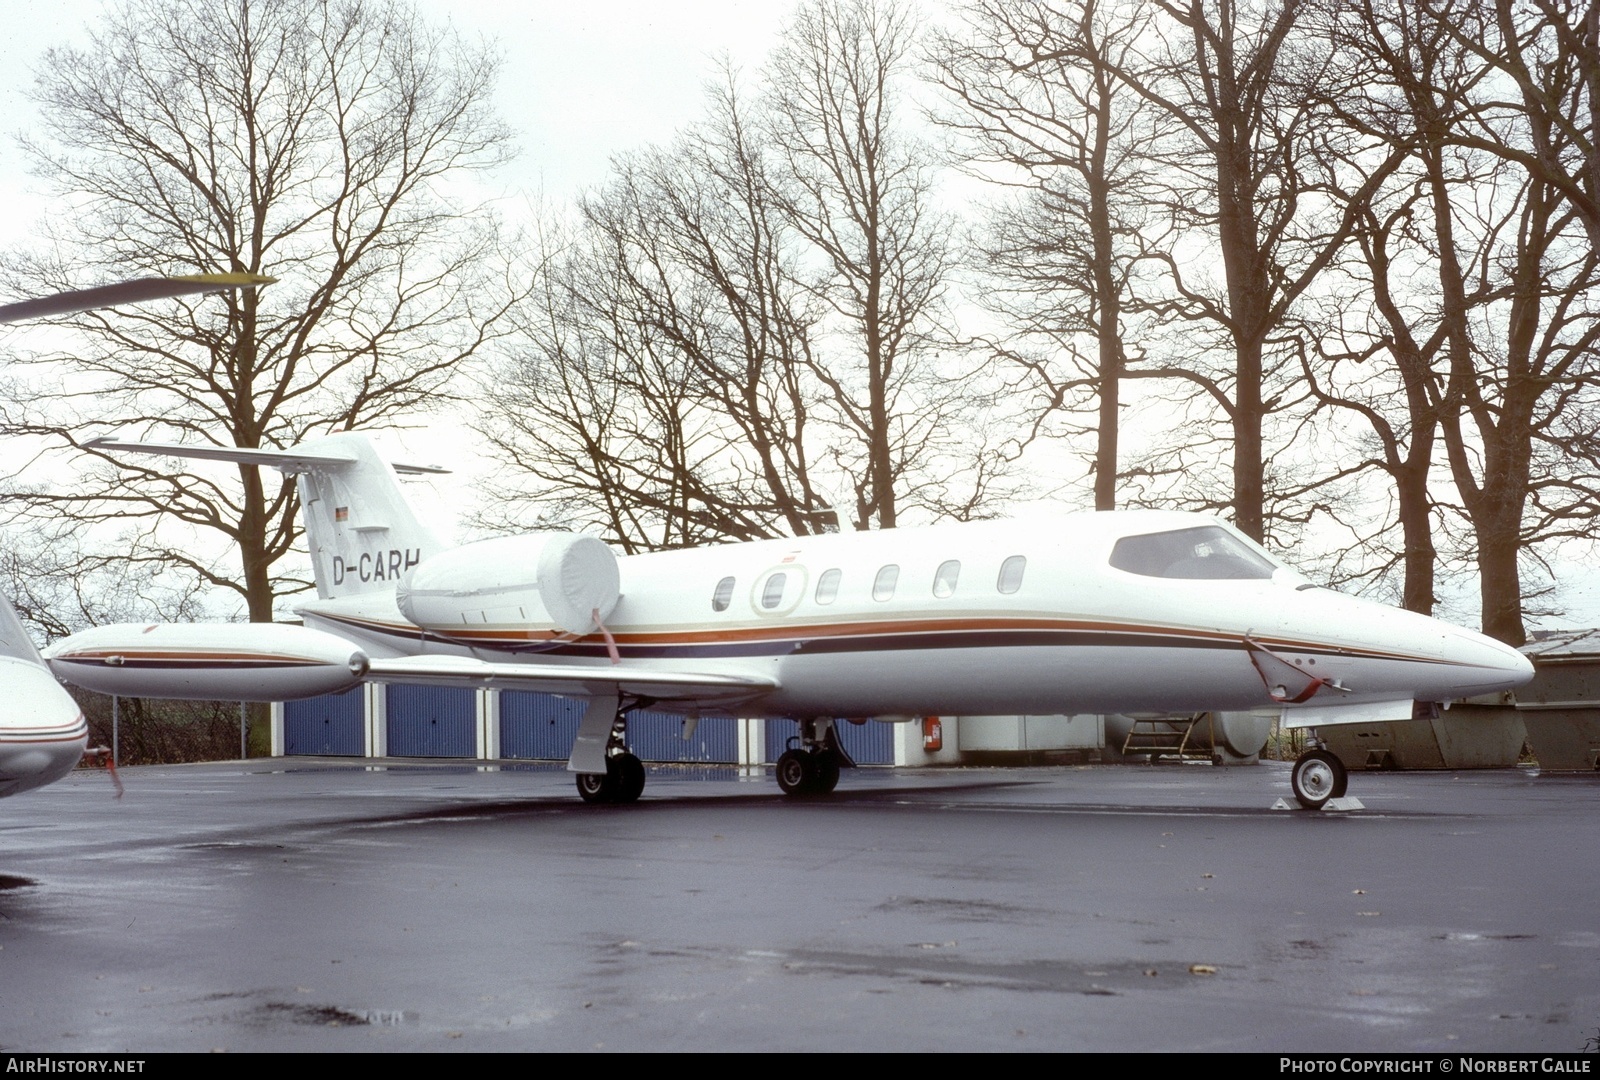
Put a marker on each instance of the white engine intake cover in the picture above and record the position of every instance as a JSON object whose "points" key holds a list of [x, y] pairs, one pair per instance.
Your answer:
{"points": [[542, 580]]}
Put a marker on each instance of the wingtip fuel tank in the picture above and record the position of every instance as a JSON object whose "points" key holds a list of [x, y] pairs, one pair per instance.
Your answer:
{"points": [[226, 662]]}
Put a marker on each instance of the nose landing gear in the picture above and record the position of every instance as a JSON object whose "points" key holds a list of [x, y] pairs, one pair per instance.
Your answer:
{"points": [[1318, 776]]}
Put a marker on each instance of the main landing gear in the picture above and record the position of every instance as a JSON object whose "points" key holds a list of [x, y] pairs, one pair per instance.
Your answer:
{"points": [[623, 780], [812, 768], [1317, 777]]}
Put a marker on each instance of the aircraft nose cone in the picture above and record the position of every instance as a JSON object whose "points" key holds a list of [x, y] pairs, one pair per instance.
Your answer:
{"points": [[1501, 666], [22, 768], [1519, 665], [23, 763]]}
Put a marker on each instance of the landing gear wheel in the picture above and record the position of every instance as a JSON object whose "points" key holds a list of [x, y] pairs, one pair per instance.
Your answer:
{"points": [[596, 787], [622, 782], [827, 763], [629, 773], [797, 772], [1317, 777]]}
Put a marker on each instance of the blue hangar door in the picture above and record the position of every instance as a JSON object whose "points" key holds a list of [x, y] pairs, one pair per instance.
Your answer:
{"points": [[331, 724], [537, 727], [871, 743], [542, 727], [431, 721], [658, 736]]}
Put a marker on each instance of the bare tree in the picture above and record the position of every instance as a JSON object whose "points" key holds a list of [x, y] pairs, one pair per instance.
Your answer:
{"points": [[1519, 278], [1039, 107], [1482, 270], [323, 141], [1243, 82], [858, 188], [744, 335], [1524, 44], [661, 387]]}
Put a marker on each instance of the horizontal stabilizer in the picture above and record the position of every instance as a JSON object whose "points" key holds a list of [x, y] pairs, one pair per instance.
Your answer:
{"points": [[289, 461], [361, 529], [570, 680], [126, 292]]}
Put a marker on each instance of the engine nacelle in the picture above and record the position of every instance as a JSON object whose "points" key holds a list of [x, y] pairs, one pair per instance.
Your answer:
{"points": [[215, 662], [554, 582]]}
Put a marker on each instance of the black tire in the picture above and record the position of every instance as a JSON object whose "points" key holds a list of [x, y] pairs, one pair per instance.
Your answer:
{"points": [[1341, 781], [797, 772], [827, 765], [628, 772], [596, 787], [1317, 777]]}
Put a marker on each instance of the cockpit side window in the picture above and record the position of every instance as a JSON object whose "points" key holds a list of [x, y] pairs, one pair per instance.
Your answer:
{"points": [[1208, 552], [723, 595], [14, 639]]}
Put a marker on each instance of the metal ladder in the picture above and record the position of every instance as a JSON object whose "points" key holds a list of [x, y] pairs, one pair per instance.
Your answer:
{"points": [[1169, 738]]}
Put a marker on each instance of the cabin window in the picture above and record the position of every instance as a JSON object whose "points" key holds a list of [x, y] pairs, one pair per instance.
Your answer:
{"points": [[1010, 579], [723, 595], [1209, 552], [772, 594], [944, 579], [828, 587], [883, 584]]}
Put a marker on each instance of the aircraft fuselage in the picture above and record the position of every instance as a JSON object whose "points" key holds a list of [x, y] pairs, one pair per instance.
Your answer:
{"points": [[1027, 617]]}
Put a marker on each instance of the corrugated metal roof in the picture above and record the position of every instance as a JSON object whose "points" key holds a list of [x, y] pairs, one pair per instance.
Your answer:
{"points": [[1563, 643]]}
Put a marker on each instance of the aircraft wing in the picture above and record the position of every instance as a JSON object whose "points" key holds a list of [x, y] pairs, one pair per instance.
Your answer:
{"points": [[126, 292], [571, 681]]}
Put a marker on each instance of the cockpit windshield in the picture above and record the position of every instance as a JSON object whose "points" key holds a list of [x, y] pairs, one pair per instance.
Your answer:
{"points": [[14, 639], [1206, 552]]}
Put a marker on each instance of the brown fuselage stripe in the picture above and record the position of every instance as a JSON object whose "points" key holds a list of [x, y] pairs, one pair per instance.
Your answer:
{"points": [[857, 637]]}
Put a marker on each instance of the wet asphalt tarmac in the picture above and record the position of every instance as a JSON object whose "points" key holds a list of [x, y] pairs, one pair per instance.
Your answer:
{"points": [[319, 905]]}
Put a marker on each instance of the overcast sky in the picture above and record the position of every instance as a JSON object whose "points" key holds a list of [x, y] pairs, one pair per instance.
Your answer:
{"points": [[582, 81]]}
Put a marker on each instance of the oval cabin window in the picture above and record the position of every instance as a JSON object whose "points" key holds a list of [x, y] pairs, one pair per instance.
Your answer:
{"points": [[772, 593], [828, 586], [944, 579], [883, 584], [1011, 574], [722, 595]]}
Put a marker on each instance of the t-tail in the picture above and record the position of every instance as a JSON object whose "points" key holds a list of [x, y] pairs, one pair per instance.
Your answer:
{"points": [[360, 527]]}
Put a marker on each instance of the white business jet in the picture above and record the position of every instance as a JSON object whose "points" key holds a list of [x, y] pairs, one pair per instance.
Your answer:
{"points": [[43, 733], [1130, 611]]}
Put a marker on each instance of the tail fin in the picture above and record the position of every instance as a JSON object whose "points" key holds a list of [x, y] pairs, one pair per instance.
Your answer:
{"points": [[360, 526]]}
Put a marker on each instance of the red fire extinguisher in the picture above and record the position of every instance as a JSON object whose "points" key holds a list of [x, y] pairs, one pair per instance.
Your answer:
{"points": [[932, 733]]}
